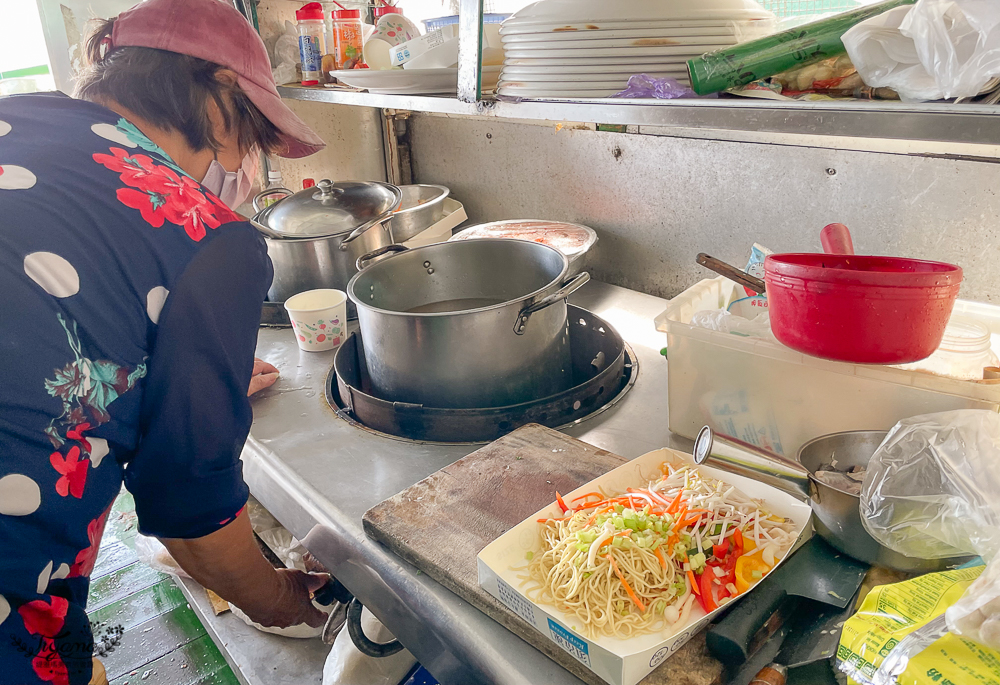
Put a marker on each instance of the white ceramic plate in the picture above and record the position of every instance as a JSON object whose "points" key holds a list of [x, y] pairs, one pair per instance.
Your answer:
{"points": [[550, 94], [602, 10], [677, 51], [593, 61], [624, 43], [581, 28], [539, 73], [578, 79], [409, 81], [510, 38]]}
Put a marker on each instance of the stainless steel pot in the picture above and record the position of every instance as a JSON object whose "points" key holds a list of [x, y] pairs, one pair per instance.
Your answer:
{"points": [[315, 237], [422, 206], [837, 515], [473, 324]]}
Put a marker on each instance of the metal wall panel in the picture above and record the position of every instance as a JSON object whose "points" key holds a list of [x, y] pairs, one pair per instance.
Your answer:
{"points": [[657, 201]]}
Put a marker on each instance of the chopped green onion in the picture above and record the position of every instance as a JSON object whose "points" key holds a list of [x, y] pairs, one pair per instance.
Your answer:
{"points": [[529, 555], [757, 575]]}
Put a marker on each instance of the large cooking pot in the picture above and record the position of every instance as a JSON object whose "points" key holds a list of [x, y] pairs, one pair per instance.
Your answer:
{"points": [[466, 325], [837, 514], [422, 206], [315, 236]]}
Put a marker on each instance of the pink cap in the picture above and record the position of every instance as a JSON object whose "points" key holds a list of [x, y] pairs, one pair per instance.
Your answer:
{"points": [[214, 31], [346, 14], [312, 10]]}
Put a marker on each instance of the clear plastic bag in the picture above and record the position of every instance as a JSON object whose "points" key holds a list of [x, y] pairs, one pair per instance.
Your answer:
{"points": [[153, 554], [932, 50], [932, 490]]}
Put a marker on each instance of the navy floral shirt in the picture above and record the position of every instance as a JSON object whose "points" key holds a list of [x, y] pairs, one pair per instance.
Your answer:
{"points": [[131, 299]]}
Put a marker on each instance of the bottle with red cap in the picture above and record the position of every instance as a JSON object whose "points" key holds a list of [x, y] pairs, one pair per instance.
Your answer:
{"points": [[348, 39], [312, 41], [392, 27]]}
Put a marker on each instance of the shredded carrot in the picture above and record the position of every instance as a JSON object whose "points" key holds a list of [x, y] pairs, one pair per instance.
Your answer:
{"points": [[659, 555], [628, 588], [673, 540], [676, 503], [598, 495], [694, 583], [561, 502], [597, 513]]}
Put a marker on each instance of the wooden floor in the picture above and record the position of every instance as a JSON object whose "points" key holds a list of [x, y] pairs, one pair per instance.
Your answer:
{"points": [[163, 643]]}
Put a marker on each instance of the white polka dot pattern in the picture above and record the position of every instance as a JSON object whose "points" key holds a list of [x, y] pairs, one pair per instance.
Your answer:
{"points": [[61, 572], [53, 273], [111, 132], [4, 609], [13, 177], [19, 495], [155, 299], [98, 450], [43, 579], [4, 128]]}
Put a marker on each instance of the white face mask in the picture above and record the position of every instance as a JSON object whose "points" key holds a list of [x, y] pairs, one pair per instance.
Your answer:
{"points": [[232, 187]]}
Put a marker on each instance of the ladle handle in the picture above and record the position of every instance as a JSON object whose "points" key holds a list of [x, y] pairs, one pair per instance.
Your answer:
{"points": [[836, 239], [732, 273], [752, 462]]}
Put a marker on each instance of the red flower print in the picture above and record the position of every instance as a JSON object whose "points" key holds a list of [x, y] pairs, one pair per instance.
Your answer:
{"points": [[150, 205], [73, 470], [87, 557], [137, 171], [223, 213], [76, 433], [44, 618], [48, 664]]}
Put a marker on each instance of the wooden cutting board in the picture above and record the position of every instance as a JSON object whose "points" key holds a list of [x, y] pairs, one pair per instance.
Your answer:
{"points": [[442, 523]]}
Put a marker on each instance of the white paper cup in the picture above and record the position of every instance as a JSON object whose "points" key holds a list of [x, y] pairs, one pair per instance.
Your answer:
{"points": [[319, 319]]}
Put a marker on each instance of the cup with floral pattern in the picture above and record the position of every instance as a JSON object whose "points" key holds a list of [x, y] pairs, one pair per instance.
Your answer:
{"points": [[319, 318]]}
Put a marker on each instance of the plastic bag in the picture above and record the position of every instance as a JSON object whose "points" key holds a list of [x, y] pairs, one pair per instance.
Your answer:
{"points": [[153, 554], [346, 665], [899, 635], [935, 49], [276, 536], [646, 86], [932, 490], [286, 55], [727, 322]]}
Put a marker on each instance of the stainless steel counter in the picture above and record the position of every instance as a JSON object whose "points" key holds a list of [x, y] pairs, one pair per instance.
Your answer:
{"points": [[318, 474]]}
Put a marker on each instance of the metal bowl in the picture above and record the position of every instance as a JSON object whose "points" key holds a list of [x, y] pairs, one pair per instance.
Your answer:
{"points": [[422, 206]]}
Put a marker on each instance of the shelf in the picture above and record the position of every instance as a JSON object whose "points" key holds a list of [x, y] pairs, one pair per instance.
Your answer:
{"points": [[966, 125]]}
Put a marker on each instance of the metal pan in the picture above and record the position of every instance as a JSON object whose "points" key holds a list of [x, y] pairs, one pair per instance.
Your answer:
{"points": [[837, 515]]}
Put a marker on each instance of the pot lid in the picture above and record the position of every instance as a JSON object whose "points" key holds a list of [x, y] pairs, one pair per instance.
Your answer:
{"points": [[330, 209]]}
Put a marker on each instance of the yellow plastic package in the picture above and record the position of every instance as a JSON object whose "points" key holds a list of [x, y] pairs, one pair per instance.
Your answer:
{"points": [[899, 636]]}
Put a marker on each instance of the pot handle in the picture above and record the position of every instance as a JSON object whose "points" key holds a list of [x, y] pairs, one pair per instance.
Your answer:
{"points": [[751, 462], [360, 230], [567, 289], [269, 191], [365, 258]]}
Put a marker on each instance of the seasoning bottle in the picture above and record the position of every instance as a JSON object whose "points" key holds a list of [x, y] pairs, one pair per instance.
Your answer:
{"points": [[312, 39], [308, 183], [348, 38], [275, 189]]}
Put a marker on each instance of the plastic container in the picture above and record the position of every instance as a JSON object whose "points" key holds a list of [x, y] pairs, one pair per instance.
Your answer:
{"points": [[438, 22], [965, 350], [312, 41], [348, 39], [773, 397]]}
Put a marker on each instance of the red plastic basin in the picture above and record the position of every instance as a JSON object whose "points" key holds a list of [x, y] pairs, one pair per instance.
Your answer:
{"points": [[859, 308]]}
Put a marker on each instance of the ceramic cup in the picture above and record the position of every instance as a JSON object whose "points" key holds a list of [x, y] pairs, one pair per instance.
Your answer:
{"points": [[319, 319]]}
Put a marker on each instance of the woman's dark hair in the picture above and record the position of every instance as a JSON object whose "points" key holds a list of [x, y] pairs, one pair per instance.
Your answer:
{"points": [[172, 91]]}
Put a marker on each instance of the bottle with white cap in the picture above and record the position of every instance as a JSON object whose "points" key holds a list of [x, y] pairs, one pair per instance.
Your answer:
{"points": [[275, 189]]}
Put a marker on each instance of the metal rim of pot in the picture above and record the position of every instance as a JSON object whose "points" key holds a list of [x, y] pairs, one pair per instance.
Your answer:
{"points": [[563, 292], [259, 219]]}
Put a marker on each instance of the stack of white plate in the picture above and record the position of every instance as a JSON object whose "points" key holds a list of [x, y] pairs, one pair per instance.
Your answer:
{"points": [[590, 48]]}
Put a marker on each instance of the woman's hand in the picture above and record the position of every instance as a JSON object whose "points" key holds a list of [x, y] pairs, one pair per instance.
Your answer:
{"points": [[229, 563], [264, 376]]}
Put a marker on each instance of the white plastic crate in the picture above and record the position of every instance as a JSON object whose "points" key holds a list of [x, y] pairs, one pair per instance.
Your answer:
{"points": [[771, 396]]}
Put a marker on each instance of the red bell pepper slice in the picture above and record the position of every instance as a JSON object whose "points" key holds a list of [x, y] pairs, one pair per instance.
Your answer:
{"points": [[561, 503]]}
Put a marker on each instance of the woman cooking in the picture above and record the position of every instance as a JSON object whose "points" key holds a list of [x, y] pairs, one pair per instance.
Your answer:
{"points": [[132, 298]]}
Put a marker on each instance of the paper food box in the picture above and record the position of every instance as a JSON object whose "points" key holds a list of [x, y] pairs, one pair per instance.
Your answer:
{"points": [[618, 661]]}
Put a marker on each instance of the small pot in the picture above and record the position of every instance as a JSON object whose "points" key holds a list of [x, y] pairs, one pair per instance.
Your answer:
{"points": [[315, 237], [836, 514], [421, 207], [472, 324]]}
